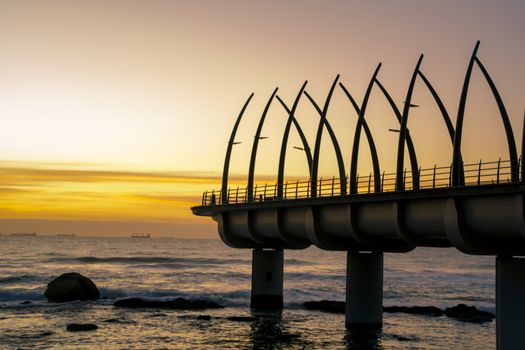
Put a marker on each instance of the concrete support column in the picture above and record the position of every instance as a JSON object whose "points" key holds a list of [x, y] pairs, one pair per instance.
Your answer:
{"points": [[267, 279], [364, 290], [510, 302]]}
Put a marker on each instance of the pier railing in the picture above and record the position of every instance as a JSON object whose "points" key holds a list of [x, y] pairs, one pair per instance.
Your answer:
{"points": [[475, 174]]}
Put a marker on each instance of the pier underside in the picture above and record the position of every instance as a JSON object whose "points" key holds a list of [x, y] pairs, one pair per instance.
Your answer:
{"points": [[485, 220]]}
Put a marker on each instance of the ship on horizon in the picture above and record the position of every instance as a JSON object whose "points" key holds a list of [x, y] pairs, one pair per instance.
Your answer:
{"points": [[141, 235], [23, 234]]}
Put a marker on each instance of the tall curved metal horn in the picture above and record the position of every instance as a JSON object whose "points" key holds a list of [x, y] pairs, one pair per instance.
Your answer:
{"points": [[523, 150], [410, 144], [444, 113], [402, 135], [357, 135], [506, 122], [442, 109], [457, 164], [284, 143], [371, 143], [317, 148], [226, 168], [255, 145]]}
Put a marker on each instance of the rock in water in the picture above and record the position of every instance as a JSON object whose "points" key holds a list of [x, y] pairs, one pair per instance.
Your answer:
{"points": [[71, 286], [335, 307], [80, 327], [462, 312], [179, 304]]}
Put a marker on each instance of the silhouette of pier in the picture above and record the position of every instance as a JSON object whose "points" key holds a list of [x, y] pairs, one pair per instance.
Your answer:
{"points": [[476, 207]]}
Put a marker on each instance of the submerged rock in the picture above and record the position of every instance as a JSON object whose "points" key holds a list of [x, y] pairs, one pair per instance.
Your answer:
{"points": [[71, 286], [335, 307], [464, 313], [81, 327], [241, 318], [178, 304], [415, 310], [204, 317]]}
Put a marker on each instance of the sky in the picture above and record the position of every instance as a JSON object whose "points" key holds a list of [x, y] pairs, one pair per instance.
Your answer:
{"points": [[116, 114]]}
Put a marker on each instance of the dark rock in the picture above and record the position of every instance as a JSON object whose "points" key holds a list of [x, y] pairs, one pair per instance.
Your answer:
{"points": [[464, 313], [204, 317], [336, 307], [241, 318], [178, 304], [27, 302], [71, 286], [81, 327], [415, 310]]}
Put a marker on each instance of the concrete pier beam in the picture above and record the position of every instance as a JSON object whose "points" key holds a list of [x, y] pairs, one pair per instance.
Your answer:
{"points": [[510, 302], [267, 279], [364, 290]]}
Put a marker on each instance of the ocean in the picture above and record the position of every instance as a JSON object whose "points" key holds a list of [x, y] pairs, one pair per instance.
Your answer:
{"points": [[164, 268]]}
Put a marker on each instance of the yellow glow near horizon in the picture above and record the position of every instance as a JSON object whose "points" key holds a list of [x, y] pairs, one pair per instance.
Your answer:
{"points": [[103, 87]]}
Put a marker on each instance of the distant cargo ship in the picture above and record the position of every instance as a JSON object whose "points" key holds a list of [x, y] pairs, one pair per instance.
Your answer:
{"points": [[141, 235], [23, 234]]}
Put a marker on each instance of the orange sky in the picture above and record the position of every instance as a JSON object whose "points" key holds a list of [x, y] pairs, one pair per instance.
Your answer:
{"points": [[117, 113]]}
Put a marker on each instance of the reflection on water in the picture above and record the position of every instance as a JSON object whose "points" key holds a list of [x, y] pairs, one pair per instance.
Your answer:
{"points": [[362, 338], [268, 331]]}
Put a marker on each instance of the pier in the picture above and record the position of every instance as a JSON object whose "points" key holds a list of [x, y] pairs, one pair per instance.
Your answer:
{"points": [[476, 207]]}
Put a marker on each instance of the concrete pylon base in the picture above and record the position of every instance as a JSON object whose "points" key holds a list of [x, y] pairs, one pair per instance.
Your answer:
{"points": [[364, 290], [510, 302], [267, 279]]}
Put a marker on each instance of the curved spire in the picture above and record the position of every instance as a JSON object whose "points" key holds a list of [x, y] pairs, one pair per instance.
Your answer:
{"points": [[231, 142], [284, 143], [317, 148], [255, 145], [457, 164], [357, 135], [523, 150], [511, 142], [410, 145], [400, 185], [442, 109], [370, 139]]}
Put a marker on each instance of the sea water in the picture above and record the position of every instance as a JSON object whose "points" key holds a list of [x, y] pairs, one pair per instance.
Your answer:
{"points": [[165, 268]]}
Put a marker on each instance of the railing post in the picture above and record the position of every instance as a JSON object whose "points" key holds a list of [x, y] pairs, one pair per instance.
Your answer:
{"points": [[497, 174], [369, 180], [228, 197], [264, 191], [275, 191], [213, 197], [254, 199], [237, 195], [308, 189], [285, 189], [450, 177], [383, 181], [434, 177], [320, 193], [204, 198], [357, 184], [404, 179], [479, 173], [333, 181]]}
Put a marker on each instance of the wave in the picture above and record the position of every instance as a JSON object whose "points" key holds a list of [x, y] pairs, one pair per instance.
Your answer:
{"points": [[148, 260], [16, 279]]}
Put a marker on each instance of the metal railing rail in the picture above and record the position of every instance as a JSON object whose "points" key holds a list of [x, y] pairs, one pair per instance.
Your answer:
{"points": [[476, 174]]}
